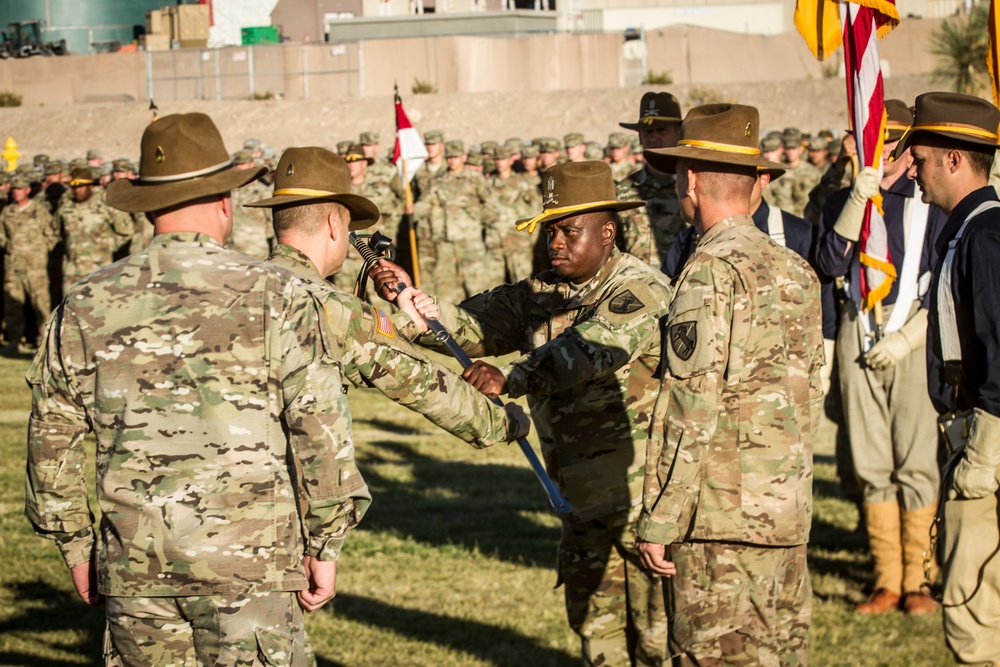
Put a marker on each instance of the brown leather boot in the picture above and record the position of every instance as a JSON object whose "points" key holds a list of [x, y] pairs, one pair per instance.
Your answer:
{"points": [[918, 603], [916, 542], [884, 539], [879, 602]]}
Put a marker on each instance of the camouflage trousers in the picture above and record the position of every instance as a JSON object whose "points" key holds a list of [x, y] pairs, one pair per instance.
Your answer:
{"points": [[971, 568], [19, 286], [462, 270], [518, 257], [242, 629], [615, 606], [739, 604]]}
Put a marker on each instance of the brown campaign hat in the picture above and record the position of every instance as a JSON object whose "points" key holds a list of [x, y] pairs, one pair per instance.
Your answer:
{"points": [[356, 153], [899, 117], [964, 118], [656, 110], [182, 159], [573, 188], [80, 177], [312, 174], [717, 133]]}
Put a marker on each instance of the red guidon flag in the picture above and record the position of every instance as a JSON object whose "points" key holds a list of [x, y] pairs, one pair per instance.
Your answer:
{"points": [[409, 152], [826, 25]]}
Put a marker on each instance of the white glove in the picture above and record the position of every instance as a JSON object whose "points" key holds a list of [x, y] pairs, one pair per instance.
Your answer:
{"points": [[866, 186], [976, 473], [895, 346]]}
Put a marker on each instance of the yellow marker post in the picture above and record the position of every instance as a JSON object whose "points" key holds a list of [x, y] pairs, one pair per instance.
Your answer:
{"points": [[10, 153]]}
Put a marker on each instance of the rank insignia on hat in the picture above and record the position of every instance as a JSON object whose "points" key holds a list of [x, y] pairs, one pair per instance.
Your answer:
{"points": [[625, 303], [550, 197], [290, 170], [746, 131], [160, 156], [683, 339]]}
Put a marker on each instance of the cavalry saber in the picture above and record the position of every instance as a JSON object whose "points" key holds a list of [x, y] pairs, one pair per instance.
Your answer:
{"points": [[556, 500]]}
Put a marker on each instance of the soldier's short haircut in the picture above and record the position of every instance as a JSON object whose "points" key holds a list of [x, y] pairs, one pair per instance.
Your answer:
{"points": [[980, 157], [306, 218], [723, 181]]}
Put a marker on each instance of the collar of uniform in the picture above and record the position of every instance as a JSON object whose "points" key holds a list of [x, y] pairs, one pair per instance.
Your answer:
{"points": [[184, 237], [585, 293], [724, 224], [295, 261], [962, 211]]}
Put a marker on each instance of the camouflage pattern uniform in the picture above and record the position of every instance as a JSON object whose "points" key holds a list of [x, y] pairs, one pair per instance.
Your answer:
{"points": [[426, 243], [459, 213], [252, 232], [91, 233], [791, 191], [369, 353], [729, 476], [648, 232], [27, 235], [514, 198], [143, 234], [590, 354], [196, 494]]}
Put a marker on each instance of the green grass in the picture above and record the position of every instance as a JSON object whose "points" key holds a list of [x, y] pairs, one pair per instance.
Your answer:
{"points": [[452, 566]]}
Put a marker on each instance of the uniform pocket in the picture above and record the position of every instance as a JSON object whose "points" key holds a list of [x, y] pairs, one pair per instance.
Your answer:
{"points": [[700, 624], [688, 336], [274, 648]]}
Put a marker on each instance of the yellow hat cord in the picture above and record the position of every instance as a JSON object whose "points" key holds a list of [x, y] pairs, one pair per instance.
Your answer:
{"points": [[649, 120], [530, 225], [716, 146]]}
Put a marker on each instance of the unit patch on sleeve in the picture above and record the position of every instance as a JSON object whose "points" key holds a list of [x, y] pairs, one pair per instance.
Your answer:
{"points": [[383, 324], [625, 303], [684, 338]]}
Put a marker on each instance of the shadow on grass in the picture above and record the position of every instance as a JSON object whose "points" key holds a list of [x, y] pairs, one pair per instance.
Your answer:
{"points": [[64, 616], [498, 646], [457, 503]]}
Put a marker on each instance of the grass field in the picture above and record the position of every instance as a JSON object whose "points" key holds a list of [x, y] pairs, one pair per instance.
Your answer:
{"points": [[453, 564]]}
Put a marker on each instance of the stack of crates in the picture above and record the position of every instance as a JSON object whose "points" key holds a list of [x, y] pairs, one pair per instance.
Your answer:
{"points": [[177, 26]]}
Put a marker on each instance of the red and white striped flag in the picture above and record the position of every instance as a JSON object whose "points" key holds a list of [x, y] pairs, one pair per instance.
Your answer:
{"points": [[862, 24], [409, 152]]}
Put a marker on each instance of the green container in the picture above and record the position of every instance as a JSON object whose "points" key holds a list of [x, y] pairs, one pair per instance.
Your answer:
{"points": [[267, 34]]}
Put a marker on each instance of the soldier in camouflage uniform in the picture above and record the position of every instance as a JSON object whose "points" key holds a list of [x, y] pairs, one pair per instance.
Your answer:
{"points": [[459, 211], [205, 453], [727, 499], [575, 145], [619, 148], [548, 153], [648, 232], [380, 171], [791, 192], [432, 168], [91, 230], [312, 231], [589, 333], [514, 198], [252, 232], [27, 235]]}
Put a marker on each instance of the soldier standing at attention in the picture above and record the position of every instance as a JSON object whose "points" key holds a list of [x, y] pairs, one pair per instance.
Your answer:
{"points": [[27, 235], [380, 171], [209, 437], [648, 232], [728, 492], [792, 191], [575, 146], [953, 141], [91, 230], [252, 232], [889, 419], [548, 153], [514, 198], [589, 333], [314, 211], [620, 148]]}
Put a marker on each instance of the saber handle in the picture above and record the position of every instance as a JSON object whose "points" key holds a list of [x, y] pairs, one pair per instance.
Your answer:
{"points": [[556, 499]]}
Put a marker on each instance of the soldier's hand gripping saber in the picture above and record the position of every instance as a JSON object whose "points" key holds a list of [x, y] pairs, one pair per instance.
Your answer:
{"points": [[556, 500]]}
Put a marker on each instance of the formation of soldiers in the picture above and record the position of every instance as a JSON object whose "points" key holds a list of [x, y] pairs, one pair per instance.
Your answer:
{"points": [[677, 298]]}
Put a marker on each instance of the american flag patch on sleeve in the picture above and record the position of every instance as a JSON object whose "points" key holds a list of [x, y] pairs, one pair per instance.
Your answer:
{"points": [[383, 324]]}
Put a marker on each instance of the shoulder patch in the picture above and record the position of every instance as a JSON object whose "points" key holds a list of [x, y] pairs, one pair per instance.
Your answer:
{"points": [[383, 324], [625, 303], [684, 339]]}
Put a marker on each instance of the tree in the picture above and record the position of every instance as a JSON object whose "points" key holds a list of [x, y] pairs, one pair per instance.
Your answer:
{"points": [[961, 45]]}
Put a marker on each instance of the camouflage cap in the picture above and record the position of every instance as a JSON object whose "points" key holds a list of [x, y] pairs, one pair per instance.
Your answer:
{"points": [[95, 154], [488, 147], [123, 165], [636, 145], [252, 144], [25, 170], [818, 143], [54, 167], [433, 137], [268, 153], [244, 156], [40, 158], [770, 143], [80, 177], [617, 140], [593, 153], [343, 147], [573, 139], [20, 181], [475, 159], [503, 153], [548, 145], [514, 143], [104, 169], [454, 148], [530, 151], [4, 177], [77, 162], [369, 138], [791, 137], [835, 145]]}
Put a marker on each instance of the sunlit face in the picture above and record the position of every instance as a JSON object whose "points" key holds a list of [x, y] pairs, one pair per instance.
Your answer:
{"points": [[357, 169], [928, 170], [577, 245], [435, 151], [546, 160], [20, 195], [687, 206], [456, 163], [575, 153]]}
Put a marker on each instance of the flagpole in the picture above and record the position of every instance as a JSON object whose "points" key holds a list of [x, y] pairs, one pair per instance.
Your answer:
{"points": [[414, 257]]}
